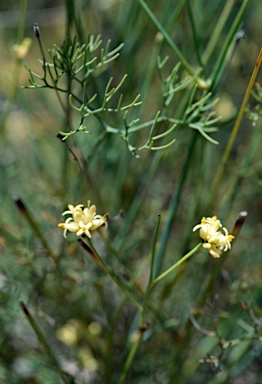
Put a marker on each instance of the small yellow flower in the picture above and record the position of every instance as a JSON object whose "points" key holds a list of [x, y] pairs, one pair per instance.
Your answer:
{"points": [[214, 240], [82, 220]]}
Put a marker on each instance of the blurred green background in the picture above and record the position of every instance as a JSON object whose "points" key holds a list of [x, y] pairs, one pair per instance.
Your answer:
{"points": [[85, 318]]}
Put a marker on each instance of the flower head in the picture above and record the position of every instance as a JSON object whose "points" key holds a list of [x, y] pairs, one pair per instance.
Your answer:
{"points": [[82, 220], [214, 240]]}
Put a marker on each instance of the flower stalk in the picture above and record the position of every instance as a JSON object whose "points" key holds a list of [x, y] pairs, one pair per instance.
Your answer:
{"points": [[142, 326], [177, 264]]}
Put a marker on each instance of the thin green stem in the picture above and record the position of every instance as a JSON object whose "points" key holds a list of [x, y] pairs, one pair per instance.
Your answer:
{"points": [[142, 327], [208, 284], [167, 37], [195, 37], [173, 206], [177, 264], [21, 29], [70, 17], [23, 209], [218, 27], [219, 66], [43, 341], [115, 278], [38, 36], [149, 285], [234, 132], [130, 358], [137, 201], [242, 171], [171, 13], [154, 249]]}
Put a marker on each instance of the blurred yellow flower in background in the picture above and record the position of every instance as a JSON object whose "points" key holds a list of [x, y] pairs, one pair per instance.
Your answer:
{"points": [[21, 50]]}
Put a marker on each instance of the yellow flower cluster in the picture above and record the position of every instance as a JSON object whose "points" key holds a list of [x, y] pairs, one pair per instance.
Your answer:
{"points": [[215, 240], [82, 220]]}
